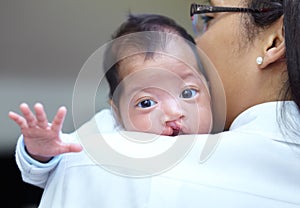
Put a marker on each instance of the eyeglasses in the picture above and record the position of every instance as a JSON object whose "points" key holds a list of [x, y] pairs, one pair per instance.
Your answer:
{"points": [[200, 27]]}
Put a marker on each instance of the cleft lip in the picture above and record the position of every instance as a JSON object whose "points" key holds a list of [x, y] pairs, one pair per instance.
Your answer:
{"points": [[176, 132], [173, 128], [171, 131]]}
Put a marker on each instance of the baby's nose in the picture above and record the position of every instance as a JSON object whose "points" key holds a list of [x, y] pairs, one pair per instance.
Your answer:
{"points": [[173, 112]]}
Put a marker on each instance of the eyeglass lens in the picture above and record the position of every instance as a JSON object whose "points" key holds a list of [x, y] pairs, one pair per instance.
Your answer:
{"points": [[199, 23]]}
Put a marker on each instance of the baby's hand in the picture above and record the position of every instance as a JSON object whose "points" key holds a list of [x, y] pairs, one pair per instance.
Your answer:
{"points": [[42, 140]]}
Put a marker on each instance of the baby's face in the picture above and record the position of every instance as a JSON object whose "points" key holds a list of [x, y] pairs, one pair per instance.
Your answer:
{"points": [[163, 95]]}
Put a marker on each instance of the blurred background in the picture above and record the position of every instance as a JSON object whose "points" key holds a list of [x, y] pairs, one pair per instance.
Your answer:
{"points": [[43, 45]]}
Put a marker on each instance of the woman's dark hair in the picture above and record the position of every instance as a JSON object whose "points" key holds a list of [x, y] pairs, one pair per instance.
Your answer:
{"points": [[290, 10], [145, 42]]}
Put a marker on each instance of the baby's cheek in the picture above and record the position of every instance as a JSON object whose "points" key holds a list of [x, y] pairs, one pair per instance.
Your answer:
{"points": [[137, 122], [147, 121], [204, 121], [142, 123]]}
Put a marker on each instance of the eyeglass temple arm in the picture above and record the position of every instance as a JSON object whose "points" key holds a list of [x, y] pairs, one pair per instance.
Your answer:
{"points": [[199, 9]]}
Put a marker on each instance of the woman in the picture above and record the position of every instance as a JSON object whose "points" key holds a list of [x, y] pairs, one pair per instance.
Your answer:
{"points": [[252, 35], [256, 163]]}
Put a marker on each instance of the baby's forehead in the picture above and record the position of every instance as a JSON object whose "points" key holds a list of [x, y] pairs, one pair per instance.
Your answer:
{"points": [[154, 44], [161, 79], [156, 60]]}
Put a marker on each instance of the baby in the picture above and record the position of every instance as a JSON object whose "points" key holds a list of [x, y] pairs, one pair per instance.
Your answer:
{"points": [[157, 85]]}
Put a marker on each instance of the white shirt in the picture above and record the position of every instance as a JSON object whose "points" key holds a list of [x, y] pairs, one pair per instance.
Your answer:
{"points": [[252, 165]]}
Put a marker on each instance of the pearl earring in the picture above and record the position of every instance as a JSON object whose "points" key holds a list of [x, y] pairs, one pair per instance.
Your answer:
{"points": [[259, 60]]}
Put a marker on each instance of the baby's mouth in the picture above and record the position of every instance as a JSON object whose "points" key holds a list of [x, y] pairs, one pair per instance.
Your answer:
{"points": [[173, 128], [176, 131]]}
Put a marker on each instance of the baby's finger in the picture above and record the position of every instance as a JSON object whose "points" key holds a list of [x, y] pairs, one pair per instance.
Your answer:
{"points": [[59, 119], [28, 115], [41, 116], [18, 119], [71, 147]]}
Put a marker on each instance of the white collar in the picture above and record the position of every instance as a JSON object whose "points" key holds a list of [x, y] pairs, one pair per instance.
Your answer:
{"points": [[264, 119]]}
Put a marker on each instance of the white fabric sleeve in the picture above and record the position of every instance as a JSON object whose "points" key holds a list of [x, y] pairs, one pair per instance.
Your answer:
{"points": [[32, 171], [37, 173]]}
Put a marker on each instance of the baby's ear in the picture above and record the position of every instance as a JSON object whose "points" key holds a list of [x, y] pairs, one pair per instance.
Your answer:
{"points": [[115, 110]]}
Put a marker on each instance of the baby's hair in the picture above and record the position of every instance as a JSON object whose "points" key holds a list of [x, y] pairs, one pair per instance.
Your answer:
{"points": [[158, 26]]}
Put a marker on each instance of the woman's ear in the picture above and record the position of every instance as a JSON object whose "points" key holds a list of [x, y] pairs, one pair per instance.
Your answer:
{"points": [[273, 55], [275, 50]]}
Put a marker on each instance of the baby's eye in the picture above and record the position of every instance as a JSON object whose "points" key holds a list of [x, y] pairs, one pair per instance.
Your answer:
{"points": [[146, 103], [188, 93]]}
